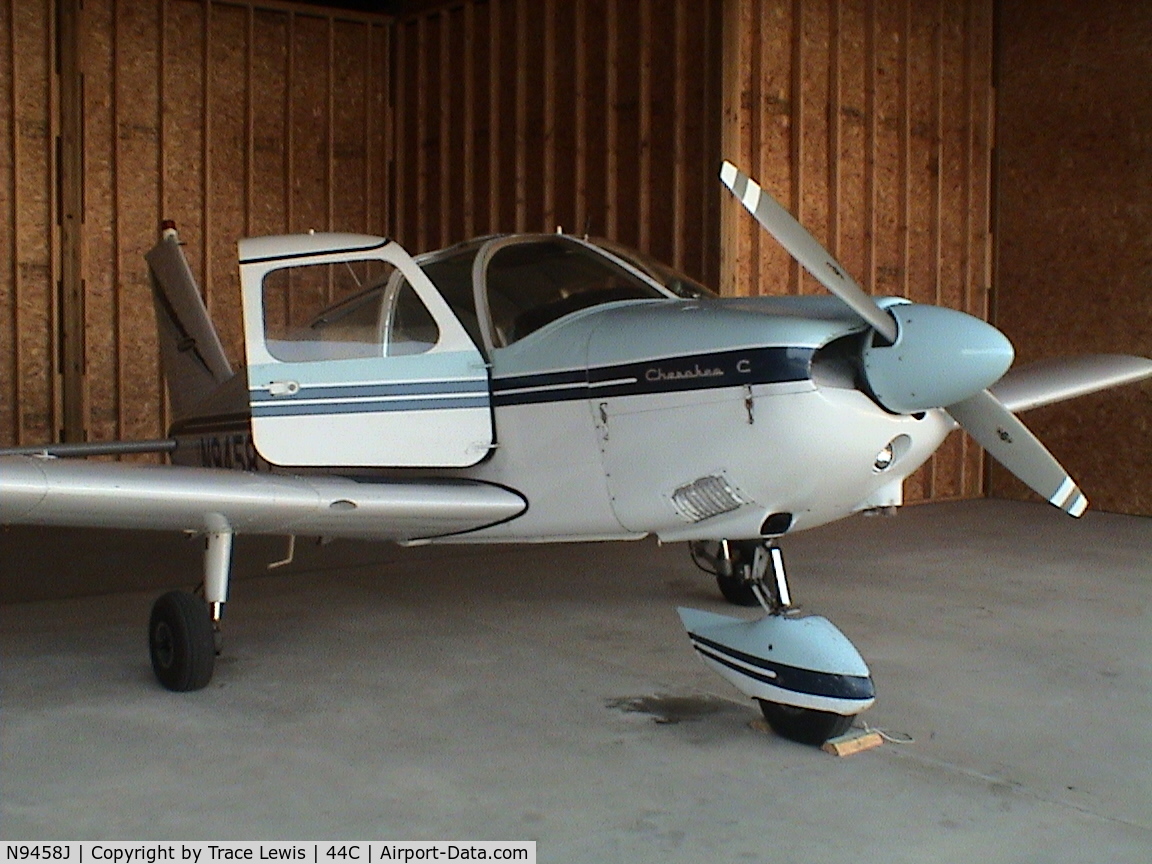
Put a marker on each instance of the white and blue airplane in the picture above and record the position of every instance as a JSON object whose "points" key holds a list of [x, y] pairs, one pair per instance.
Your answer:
{"points": [[548, 387]]}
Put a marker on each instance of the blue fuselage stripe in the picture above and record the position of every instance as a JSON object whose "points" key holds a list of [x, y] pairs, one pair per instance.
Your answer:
{"points": [[739, 368], [365, 406]]}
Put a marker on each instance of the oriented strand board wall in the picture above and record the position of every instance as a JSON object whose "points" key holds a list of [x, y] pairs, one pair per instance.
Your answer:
{"points": [[231, 118], [1075, 226], [599, 116], [869, 117], [29, 240], [870, 120]]}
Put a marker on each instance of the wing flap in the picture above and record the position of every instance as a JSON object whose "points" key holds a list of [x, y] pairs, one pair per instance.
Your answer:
{"points": [[39, 491]]}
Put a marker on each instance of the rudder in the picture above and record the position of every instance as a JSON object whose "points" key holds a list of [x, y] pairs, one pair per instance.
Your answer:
{"points": [[195, 364]]}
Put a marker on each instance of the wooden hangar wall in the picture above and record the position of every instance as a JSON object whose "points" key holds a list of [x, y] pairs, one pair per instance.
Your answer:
{"points": [[871, 118], [594, 116], [1074, 226], [871, 121], [231, 118]]}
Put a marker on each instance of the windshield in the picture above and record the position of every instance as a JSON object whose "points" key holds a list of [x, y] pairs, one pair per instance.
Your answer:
{"points": [[531, 284], [671, 278]]}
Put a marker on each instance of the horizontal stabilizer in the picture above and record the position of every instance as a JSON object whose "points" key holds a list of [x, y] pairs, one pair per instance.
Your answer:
{"points": [[47, 491], [83, 449], [1051, 381]]}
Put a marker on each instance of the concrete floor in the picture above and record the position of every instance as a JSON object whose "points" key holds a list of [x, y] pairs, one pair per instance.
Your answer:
{"points": [[548, 693]]}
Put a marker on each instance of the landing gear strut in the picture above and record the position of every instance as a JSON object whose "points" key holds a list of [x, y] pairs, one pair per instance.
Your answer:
{"points": [[808, 679], [737, 565], [184, 630]]}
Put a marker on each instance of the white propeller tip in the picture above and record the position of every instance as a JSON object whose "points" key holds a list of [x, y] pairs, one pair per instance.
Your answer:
{"points": [[1070, 499], [728, 174]]}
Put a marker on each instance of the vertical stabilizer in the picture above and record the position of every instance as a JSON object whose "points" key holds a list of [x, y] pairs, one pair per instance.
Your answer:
{"points": [[194, 360]]}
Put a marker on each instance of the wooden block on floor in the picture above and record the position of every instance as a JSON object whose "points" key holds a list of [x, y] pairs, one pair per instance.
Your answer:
{"points": [[853, 742]]}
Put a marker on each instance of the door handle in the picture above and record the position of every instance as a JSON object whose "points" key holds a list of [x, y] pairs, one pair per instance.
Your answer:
{"points": [[283, 388]]}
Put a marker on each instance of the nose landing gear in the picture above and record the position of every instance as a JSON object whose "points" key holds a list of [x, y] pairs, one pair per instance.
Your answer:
{"points": [[808, 679], [733, 563]]}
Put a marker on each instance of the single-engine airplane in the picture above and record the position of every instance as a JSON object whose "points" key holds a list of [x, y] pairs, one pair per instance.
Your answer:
{"points": [[548, 387]]}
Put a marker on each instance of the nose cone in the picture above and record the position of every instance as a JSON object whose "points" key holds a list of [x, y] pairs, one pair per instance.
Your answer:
{"points": [[940, 357]]}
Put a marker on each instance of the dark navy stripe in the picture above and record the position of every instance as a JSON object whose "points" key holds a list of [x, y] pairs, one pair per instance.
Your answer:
{"points": [[535, 397], [743, 670], [666, 375], [288, 409], [827, 684], [545, 379]]}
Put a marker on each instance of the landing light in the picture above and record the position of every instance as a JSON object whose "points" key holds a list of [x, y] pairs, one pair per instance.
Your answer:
{"points": [[893, 451], [885, 458]]}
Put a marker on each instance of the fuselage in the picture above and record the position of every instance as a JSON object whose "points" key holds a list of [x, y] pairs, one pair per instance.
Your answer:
{"points": [[617, 400], [694, 419]]}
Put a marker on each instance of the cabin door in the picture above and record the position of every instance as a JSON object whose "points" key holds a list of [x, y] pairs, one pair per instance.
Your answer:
{"points": [[355, 360]]}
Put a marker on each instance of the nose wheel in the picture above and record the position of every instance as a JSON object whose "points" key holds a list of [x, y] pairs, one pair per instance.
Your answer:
{"points": [[741, 568], [807, 678], [805, 725]]}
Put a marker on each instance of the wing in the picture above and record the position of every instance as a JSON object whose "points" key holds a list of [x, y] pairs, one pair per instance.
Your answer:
{"points": [[1050, 381], [51, 491]]}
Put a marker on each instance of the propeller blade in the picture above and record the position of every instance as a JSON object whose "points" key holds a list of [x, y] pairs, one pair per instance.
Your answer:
{"points": [[1010, 443], [806, 249]]}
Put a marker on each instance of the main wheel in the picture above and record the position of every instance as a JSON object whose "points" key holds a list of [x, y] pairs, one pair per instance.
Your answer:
{"points": [[805, 725], [736, 589], [181, 642]]}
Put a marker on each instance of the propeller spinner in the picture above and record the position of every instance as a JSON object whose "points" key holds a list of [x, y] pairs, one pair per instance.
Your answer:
{"points": [[924, 356]]}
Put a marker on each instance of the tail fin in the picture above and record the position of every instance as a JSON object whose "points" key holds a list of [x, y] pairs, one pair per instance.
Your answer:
{"points": [[194, 361]]}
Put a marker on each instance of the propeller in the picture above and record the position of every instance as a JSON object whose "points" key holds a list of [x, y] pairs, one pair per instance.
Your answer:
{"points": [[924, 356], [806, 249], [1010, 443]]}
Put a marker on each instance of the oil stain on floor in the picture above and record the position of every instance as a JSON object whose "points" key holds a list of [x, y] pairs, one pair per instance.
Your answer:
{"points": [[672, 709]]}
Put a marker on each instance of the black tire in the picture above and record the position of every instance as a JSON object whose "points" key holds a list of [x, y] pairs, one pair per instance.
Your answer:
{"points": [[736, 590], [181, 642], [805, 725]]}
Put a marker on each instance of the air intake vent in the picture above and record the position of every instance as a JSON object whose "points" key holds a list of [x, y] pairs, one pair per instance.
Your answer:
{"points": [[707, 497]]}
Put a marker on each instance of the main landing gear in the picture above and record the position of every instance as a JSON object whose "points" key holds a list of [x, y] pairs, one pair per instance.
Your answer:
{"points": [[808, 679], [184, 630]]}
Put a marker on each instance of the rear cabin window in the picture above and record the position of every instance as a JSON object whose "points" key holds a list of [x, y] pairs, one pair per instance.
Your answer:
{"points": [[343, 311]]}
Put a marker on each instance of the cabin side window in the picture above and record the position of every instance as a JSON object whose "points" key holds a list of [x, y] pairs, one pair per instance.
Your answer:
{"points": [[342, 311]]}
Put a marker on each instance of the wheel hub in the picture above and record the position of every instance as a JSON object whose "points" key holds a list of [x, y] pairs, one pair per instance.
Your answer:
{"points": [[163, 644]]}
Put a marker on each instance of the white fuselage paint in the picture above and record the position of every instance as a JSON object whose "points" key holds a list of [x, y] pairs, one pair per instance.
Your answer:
{"points": [[808, 451]]}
